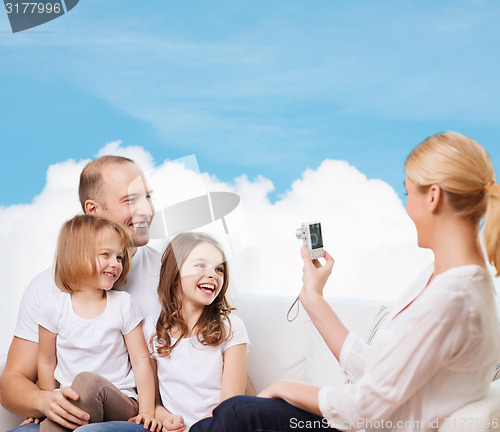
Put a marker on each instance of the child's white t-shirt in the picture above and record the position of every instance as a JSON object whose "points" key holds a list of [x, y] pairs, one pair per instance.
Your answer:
{"points": [[93, 345], [190, 379]]}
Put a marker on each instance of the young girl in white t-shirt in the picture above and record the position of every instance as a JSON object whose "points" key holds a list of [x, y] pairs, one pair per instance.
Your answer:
{"points": [[198, 350], [90, 337]]}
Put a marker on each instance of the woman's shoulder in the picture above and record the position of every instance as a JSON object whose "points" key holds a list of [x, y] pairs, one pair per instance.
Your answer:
{"points": [[465, 280], [461, 292]]}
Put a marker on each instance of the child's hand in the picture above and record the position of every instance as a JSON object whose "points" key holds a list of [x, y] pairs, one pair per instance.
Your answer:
{"points": [[174, 423], [149, 422], [30, 420]]}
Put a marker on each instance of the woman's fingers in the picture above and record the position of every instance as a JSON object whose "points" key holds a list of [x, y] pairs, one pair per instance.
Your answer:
{"points": [[306, 257], [329, 258]]}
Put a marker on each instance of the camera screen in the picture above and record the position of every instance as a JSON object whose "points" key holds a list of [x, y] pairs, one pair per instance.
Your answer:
{"points": [[316, 238]]}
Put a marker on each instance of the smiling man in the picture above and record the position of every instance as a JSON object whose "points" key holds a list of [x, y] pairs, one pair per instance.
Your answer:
{"points": [[112, 187], [115, 188]]}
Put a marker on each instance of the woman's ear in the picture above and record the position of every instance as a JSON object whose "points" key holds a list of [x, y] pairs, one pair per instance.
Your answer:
{"points": [[434, 197]]}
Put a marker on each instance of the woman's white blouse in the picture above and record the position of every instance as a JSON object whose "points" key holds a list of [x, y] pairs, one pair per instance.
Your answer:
{"points": [[435, 352]]}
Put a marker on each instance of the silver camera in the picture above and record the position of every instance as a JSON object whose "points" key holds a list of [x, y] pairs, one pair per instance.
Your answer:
{"points": [[310, 233]]}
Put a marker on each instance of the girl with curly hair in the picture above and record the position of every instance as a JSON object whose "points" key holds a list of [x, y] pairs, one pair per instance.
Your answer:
{"points": [[198, 349]]}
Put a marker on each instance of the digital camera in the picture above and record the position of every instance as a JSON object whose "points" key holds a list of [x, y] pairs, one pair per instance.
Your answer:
{"points": [[310, 233]]}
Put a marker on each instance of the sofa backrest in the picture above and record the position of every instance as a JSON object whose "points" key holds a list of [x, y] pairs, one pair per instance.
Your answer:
{"points": [[294, 350]]}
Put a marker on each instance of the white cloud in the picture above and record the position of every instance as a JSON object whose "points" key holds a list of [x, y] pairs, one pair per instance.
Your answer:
{"points": [[141, 157], [365, 228], [364, 224]]}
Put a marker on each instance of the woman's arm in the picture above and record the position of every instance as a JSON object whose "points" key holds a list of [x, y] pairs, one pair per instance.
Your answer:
{"points": [[144, 379], [323, 317], [300, 395], [47, 359]]}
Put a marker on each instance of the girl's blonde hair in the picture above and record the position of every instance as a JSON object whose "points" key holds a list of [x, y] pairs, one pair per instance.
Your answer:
{"points": [[77, 250], [463, 170], [210, 326]]}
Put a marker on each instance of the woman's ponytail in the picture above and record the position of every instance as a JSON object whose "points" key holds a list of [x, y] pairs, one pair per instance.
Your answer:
{"points": [[491, 230]]}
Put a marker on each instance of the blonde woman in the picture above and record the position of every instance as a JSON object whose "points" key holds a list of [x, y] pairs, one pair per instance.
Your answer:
{"points": [[437, 349]]}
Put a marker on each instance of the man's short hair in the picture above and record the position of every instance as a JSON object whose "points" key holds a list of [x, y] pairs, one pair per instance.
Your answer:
{"points": [[90, 187]]}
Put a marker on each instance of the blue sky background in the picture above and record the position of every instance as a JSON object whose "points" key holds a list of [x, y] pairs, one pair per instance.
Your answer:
{"points": [[257, 88]]}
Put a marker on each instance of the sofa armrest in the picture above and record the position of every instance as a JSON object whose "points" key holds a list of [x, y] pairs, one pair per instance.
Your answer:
{"points": [[479, 416]]}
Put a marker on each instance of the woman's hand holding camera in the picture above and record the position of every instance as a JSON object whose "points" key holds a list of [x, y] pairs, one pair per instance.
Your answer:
{"points": [[323, 317], [315, 274]]}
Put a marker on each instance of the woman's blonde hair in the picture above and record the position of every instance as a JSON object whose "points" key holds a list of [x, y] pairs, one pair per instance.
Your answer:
{"points": [[77, 250], [463, 170], [210, 326]]}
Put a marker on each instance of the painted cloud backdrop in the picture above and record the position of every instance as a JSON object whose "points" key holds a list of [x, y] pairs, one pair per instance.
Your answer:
{"points": [[365, 227]]}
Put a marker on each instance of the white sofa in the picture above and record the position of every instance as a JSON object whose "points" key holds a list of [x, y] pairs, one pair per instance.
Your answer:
{"points": [[294, 350]]}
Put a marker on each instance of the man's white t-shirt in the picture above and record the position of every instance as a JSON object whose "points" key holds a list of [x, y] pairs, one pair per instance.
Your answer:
{"points": [[142, 280], [94, 345], [142, 283], [190, 379]]}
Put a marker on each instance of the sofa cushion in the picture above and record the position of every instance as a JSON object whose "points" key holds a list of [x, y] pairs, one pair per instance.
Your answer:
{"points": [[358, 316], [278, 348], [479, 416]]}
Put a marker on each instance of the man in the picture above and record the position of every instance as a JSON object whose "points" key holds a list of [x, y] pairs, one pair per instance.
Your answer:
{"points": [[112, 187]]}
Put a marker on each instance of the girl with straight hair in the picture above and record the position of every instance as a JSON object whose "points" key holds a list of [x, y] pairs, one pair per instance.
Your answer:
{"points": [[90, 336]]}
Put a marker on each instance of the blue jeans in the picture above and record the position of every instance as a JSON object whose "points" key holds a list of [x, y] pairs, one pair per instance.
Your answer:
{"points": [[112, 426], [253, 414], [31, 427]]}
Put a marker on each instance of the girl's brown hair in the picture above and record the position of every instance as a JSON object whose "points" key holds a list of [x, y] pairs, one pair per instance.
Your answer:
{"points": [[463, 170], [77, 252], [210, 326]]}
